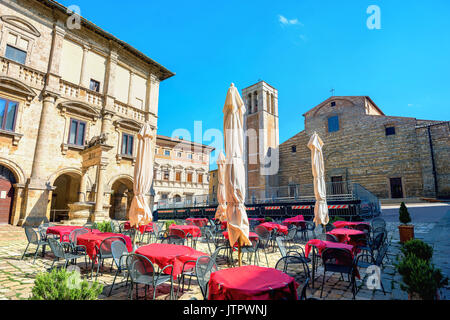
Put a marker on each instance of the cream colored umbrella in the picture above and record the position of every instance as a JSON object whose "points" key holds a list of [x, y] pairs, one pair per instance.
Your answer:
{"points": [[221, 213], [235, 187], [140, 212], [318, 170]]}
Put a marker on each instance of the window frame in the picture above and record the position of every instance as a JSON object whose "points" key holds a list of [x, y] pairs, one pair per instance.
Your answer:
{"points": [[390, 134], [76, 133], [3, 124], [95, 82], [128, 137], [165, 153], [16, 48], [337, 123]]}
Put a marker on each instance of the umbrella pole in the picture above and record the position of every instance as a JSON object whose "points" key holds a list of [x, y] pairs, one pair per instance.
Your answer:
{"points": [[239, 254]]}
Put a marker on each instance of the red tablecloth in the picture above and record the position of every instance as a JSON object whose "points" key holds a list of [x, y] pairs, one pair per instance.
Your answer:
{"points": [[224, 225], [142, 229], [170, 254], [64, 231], [322, 245], [199, 222], [91, 240], [193, 230], [270, 226], [344, 235], [252, 283], [343, 224], [297, 221]]}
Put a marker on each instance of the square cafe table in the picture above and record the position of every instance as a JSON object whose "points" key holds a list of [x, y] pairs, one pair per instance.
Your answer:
{"points": [[92, 241], [163, 254], [280, 228], [345, 235], [252, 283]]}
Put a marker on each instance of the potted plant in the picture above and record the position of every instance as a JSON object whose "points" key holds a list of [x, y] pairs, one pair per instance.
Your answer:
{"points": [[406, 231], [64, 285], [421, 280]]}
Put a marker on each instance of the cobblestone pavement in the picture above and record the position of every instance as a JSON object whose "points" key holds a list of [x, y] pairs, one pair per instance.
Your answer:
{"points": [[17, 276]]}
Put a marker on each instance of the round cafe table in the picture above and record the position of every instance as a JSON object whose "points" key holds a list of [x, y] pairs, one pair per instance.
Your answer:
{"points": [[280, 228], [164, 254], [64, 231], [199, 222], [92, 241], [142, 229], [298, 221], [343, 224], [252, 283], [191, 229], [345, 235]]}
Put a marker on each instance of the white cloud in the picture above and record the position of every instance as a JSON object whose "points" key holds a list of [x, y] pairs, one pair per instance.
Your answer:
{"points": [[285, 21]]}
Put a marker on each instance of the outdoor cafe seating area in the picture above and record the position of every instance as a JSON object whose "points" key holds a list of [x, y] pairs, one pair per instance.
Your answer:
{"points": [[197, 252]]}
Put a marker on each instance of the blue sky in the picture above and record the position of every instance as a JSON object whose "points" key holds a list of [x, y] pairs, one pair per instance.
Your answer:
{"points": [[304, 48]]}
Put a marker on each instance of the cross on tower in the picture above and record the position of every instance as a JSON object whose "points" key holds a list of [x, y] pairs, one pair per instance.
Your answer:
{"points": [[332, 92]]}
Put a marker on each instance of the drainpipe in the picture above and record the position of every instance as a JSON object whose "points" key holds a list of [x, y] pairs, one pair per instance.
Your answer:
{"points": [[433, 161]]}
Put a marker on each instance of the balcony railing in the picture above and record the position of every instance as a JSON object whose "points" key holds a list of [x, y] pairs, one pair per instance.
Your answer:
{"points": [[129, 111], [73, 91], [29, 76]]}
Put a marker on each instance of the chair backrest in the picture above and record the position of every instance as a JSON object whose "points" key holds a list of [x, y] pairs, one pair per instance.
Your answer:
{"points": [[89, 225], [105, 246], [377, 223], [381, 253], [331, 238], [379, 239], [177, 232], [139, 266], [203, 268], [293, 266], [118, 250], [262, 233], [310, 226], [175, 239], [329, 227], [73, 236], [57, 248], [281, 246], [32, 235], [362, 227], [292, 231], [337, 257]]}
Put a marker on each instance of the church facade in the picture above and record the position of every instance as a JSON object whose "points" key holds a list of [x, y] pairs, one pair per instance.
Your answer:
{"points": [[392, 157]]}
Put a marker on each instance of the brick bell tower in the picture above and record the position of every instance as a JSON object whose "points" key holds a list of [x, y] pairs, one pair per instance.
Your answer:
{"points": [[262, 140]]}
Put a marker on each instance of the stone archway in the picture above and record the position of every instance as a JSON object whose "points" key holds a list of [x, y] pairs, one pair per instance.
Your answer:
{"points": [[67, 188], [7, 190], [121, 197]]}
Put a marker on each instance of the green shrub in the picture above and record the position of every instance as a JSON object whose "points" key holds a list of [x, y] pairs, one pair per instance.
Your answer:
{"points": [[418, 248], [336, 218], [404, 217], [169, 223], [64, 285], [104, 226], [268, 219], [421, 277]]}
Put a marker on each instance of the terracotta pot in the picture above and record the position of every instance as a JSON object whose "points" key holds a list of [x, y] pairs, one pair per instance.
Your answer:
{"points": [[406, 233]]}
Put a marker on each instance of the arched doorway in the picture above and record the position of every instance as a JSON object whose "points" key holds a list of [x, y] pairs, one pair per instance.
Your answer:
{"points": [[121, 197], [7, 181], [67, 188]]}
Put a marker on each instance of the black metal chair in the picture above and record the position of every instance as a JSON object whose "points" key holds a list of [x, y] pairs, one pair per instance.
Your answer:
{"points": [[143, 272], [366, 260], [90, 225], [227, 256], [285, 253], [174, 239], [327, 237], [339, 261], [297, 268], [119, 252], [74, 247], [60, 252], [292, 234], [34, 238], [378, 223], [204, 266], [264, 239], [104, 251], [252, 252]]}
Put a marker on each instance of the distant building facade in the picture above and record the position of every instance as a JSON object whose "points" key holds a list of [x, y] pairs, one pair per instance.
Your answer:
{"points": [[181, 170], [60, 88], [392, 157]]}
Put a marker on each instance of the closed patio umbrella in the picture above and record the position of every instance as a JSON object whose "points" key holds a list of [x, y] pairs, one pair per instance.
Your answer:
{"points": [[235, 184], [221, 213], [140, 212], [320, 190]]}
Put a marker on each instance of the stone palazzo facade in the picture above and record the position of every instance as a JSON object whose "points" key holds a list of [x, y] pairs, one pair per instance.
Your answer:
{"points": [[63, 90], [392, 157], [181, 170]]}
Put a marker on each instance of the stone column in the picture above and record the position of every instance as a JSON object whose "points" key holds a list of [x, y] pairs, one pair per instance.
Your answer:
{"points": [[99, 213], [152, 95], [130, 90], [84, 178], [84, 80]]}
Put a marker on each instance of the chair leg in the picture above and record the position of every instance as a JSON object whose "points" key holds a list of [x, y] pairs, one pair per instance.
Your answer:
{"points": [[114, 281], [323, 284], [23, 256], [35, 254]]}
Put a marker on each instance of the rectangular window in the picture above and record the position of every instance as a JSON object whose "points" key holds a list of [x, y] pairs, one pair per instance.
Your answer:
{"points": [[190, 156], [189, 177], [178, 177], [294, 149], [390, 131], [8, 113], [166, 175], [77, 132], [94, 85], [333, 124], [167, 153], [200, 178], [179, 154], [15, 54], [127, 144]]}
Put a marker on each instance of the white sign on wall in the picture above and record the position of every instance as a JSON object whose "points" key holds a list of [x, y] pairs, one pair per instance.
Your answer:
{"points": [[3, 195]]}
